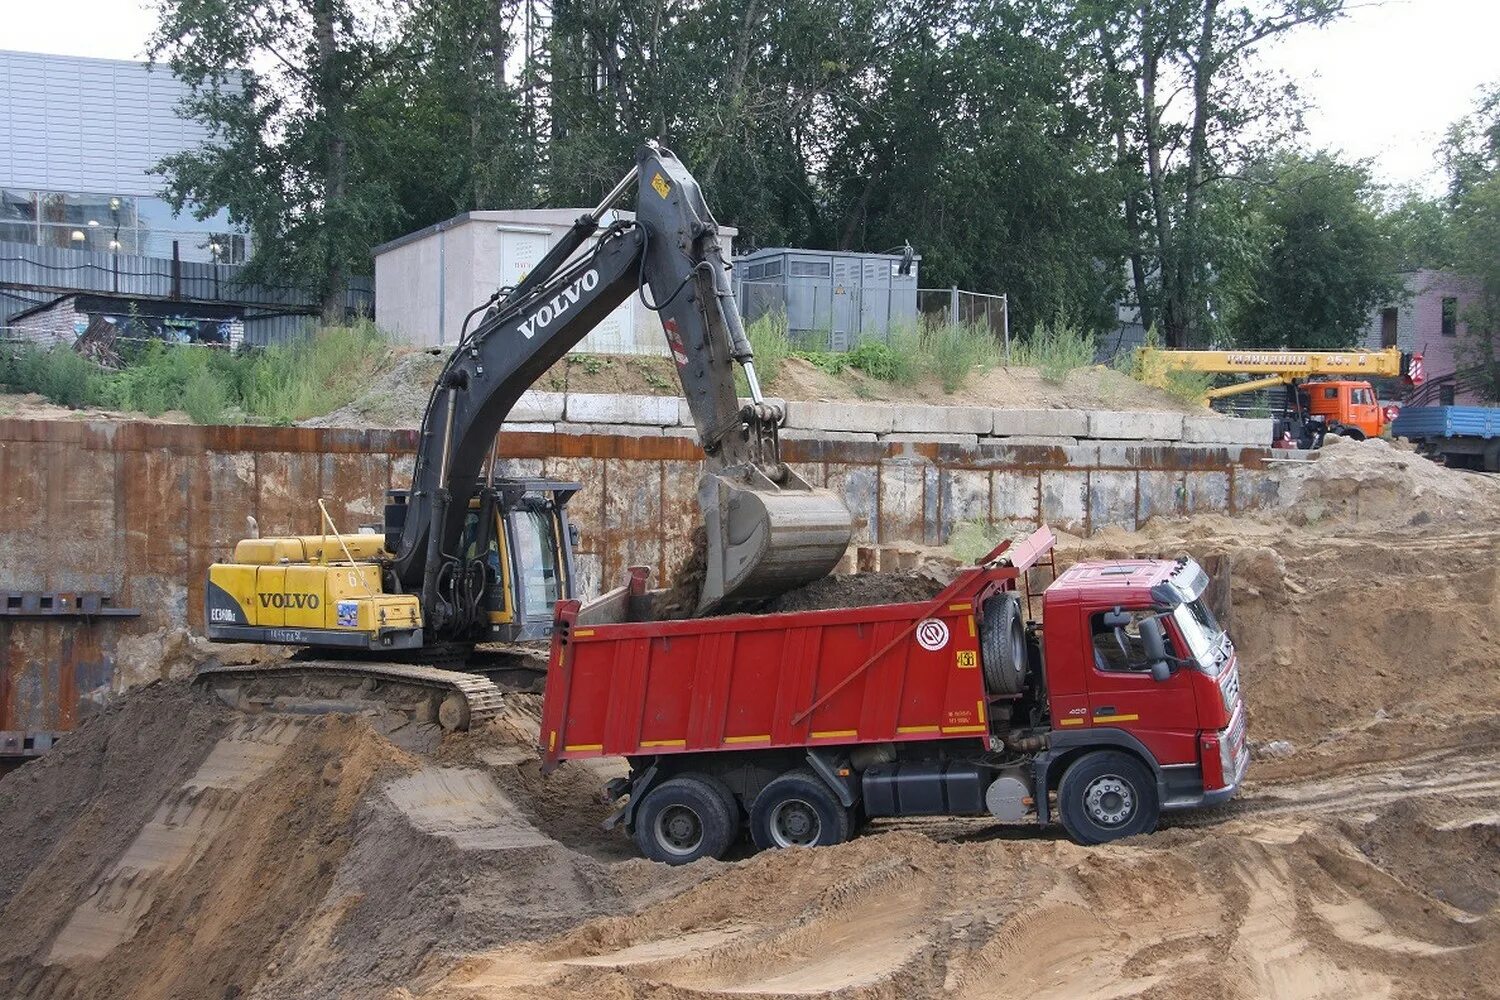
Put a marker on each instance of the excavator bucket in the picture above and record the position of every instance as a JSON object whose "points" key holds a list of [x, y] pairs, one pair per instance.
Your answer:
{"points": [[766, 538]]}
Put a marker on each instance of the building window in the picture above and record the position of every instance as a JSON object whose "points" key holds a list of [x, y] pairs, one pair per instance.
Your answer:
{"points": [[1388, 327], [1446, 394], [1450, 317], [110, 223]]}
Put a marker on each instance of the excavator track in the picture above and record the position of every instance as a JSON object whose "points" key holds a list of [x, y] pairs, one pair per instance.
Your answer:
{"points": [[455, 700]]}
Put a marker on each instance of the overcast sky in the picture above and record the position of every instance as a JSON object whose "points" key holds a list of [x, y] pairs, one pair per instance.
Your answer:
{"points": [[1384, 82]]}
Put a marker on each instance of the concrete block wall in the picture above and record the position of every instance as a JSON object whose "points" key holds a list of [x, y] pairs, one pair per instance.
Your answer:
{"points": [[139, 510]]}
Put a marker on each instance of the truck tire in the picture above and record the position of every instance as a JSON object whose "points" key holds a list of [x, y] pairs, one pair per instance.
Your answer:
{"points": [[798, 809], [1106, 795], [1002, 645], [683, 819]]}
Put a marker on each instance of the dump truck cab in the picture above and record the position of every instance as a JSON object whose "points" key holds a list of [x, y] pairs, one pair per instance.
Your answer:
{"points": [[1135, 659]]}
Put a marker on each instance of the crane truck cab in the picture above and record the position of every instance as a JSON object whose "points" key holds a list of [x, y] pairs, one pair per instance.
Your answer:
{"points": [[1343, 406], [1122, 701]]}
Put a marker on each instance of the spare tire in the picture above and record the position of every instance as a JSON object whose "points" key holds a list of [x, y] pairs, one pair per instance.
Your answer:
{"points": [[1002, 644]]}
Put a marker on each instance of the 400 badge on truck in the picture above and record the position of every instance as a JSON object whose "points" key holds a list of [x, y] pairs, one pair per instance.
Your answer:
{"points": [[1122, 700]]}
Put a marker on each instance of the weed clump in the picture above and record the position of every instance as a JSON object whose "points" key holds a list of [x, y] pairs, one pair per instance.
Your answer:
{"points": [[1056, 349]]}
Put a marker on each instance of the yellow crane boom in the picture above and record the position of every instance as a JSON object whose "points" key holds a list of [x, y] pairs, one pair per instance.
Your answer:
{"points": [[1278, 367]]}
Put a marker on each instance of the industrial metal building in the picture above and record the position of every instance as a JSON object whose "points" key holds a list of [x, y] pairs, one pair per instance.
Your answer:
{"points": [[427, 281], [832, 299]]}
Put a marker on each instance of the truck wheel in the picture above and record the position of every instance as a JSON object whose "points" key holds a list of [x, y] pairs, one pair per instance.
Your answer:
{"points": [[798, 810], [684, 819], [1106, 795], [1002, 645]]}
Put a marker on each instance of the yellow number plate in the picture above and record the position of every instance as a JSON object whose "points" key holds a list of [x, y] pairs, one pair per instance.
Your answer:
{"points": [[967, 659], [660, 184]]}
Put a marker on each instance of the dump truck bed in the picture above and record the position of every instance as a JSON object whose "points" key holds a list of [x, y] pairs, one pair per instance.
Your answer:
{"points": [[1447, 421], [884, 673]]}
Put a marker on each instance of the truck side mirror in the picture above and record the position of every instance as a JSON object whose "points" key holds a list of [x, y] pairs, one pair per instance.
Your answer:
{"points": [[1156, 649], [1116, 618]]}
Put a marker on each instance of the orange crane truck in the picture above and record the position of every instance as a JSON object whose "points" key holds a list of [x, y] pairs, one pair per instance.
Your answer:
{"points": [[1327, 392]]}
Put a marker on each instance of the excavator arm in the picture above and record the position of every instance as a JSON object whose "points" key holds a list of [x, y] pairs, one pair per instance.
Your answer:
{"points": [[768, 530]]}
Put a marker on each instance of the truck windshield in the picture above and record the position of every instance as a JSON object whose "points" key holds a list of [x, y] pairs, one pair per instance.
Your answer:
{"points": [[1201, 630]]}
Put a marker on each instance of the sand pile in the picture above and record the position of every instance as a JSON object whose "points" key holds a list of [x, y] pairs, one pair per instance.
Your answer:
{"points": [[1244, 911], [1375, 481], [395, 399], [1340, 629]]}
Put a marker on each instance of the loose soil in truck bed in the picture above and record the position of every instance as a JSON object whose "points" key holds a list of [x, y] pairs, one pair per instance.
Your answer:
{"points": [[680, 599]]}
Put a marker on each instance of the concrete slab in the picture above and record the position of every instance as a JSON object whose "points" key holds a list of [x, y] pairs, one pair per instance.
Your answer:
{"points": [[902, 508], [1206, 491], [1112, 499], [1227, 430], [1014, 495], [939, 420], [859, 487], [1162, 494], [872, 418], [803, 434], [965, 496], [537, 406], [1039, 423], [906, 444], [620, 408], [611, 430], [1135, 425]]}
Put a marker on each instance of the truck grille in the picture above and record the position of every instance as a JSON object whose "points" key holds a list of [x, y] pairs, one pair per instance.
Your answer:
{"points": [[1234, 738], [1229, 687]]}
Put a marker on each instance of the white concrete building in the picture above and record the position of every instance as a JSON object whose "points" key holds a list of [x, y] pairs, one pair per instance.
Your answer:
{"points": [[427, 281]]}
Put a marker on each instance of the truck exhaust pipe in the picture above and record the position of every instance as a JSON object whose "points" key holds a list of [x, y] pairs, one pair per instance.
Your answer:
{"points": [[764, 537]]}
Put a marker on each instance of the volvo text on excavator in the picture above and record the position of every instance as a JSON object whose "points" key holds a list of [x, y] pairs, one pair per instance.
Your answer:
{"points": [[466, 556]]}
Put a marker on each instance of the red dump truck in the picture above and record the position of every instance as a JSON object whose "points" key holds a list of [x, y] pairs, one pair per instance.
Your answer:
{"points": [[1123, 700]]}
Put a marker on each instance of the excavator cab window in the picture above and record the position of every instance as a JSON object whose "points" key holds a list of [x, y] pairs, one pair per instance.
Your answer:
{"points": [[541, 583]]}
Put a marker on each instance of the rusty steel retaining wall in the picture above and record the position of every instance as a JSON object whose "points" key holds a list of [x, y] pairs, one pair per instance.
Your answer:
{"points": [[139, 510]]}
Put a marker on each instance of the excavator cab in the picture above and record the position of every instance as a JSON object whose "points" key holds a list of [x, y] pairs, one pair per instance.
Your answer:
{"points": [[518, 543], [526, 545]]}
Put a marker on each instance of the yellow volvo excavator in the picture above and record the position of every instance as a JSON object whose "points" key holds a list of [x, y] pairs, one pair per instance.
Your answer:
{"points": [[466, 556]]}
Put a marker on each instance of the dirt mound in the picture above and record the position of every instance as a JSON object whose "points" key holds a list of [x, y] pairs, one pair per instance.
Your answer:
{"points": [[1244, 911], [1371, 482], [680, 599], [1341, 630], [396, 399]]}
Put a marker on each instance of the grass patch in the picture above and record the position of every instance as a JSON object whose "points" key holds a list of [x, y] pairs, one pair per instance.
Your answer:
{"points": [[1056, 349], [1187, 387], [953, 353], [972, 540], [282, 384], [771, 344]]}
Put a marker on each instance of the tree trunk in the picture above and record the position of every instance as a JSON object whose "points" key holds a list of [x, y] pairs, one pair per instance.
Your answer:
{"points": [[1203, 69], [1172, 325], [336, 168]]}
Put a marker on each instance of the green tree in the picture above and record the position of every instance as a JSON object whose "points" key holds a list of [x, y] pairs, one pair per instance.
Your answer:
{"points": [[290, 147], [1178, 82], [1327, 261], [1472, 153]]}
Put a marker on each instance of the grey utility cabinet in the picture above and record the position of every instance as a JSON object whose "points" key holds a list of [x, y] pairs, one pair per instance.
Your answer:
{"points": [[831, 299]]}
